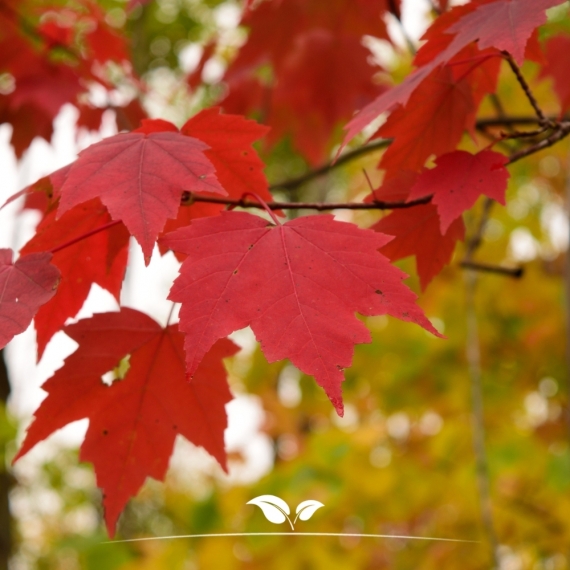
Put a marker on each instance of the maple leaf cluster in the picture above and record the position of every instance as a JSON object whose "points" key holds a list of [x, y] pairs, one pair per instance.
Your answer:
{"points": [[297, 284], [52, 56]]}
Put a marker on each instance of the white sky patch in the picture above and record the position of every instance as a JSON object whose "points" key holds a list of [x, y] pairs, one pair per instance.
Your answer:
{"points": [[189, 57], [145, 289], [554, 222], [523, 246]]}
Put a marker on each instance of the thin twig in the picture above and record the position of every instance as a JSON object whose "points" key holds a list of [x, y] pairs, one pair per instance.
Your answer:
{"points": [[514, 272], [326, 168], [369, 148], [190, 198], [85, 236], [514, 120], [561, 131], [525, 134], [526, 88], [263, 204]]}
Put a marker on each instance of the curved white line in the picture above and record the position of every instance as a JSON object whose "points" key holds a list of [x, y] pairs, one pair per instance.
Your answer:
{"points": [[230, 534]]}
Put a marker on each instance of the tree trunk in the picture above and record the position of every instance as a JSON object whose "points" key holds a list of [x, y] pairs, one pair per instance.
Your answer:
{"points": [[5, 479]]}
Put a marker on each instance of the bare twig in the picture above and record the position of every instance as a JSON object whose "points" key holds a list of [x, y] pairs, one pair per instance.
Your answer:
{"points": [[326, 168], [190, 198], [525, 87], [514, 272], [561, 131], [513, 120], [481, 125], [524, 134]]}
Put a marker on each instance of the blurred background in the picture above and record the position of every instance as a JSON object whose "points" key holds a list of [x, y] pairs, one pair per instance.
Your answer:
{"points": [[401, 461]]}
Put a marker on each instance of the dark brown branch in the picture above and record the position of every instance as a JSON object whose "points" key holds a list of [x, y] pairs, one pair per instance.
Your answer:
{"points": [[480, 125], [525, 134], [189, 198], [514, 272], [326, 168], [526, 88], [561, 131]]}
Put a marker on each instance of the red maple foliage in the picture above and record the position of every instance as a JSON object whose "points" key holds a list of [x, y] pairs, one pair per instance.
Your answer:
{"points": [[297, 285], [303, 71], [134, 422]]}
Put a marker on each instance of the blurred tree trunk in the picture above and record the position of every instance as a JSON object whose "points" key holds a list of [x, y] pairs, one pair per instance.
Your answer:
{"points": [[5, 478]]}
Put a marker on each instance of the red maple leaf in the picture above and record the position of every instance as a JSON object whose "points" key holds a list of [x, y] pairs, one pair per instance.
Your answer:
{"points": [[45, 86], [100, 258], [194, 79], [229, 138], [501, 24], [24, 287], [325, 78], [394, 189], [505, 25], [90, 117], [297, 285], [133, 423], [28, 122], [103, 43], [556, 66], [43, 193], [432, 122], [458, 179], [321, 72], [416, 232], [238, 166], [140, 178]]}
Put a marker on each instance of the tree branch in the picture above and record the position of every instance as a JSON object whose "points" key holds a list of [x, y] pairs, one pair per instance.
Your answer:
{"points": [[526, 88], [514, 120], [561, 131], [369, 148], [514, 272], [189, 198], [326, 168]]}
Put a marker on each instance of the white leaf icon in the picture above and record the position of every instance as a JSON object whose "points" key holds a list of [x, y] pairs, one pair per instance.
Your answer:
{"points": [[306, 509], [274, 508]]}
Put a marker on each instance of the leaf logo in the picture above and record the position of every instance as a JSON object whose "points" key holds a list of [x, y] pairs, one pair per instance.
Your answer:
{"points": [[277, 511]]}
